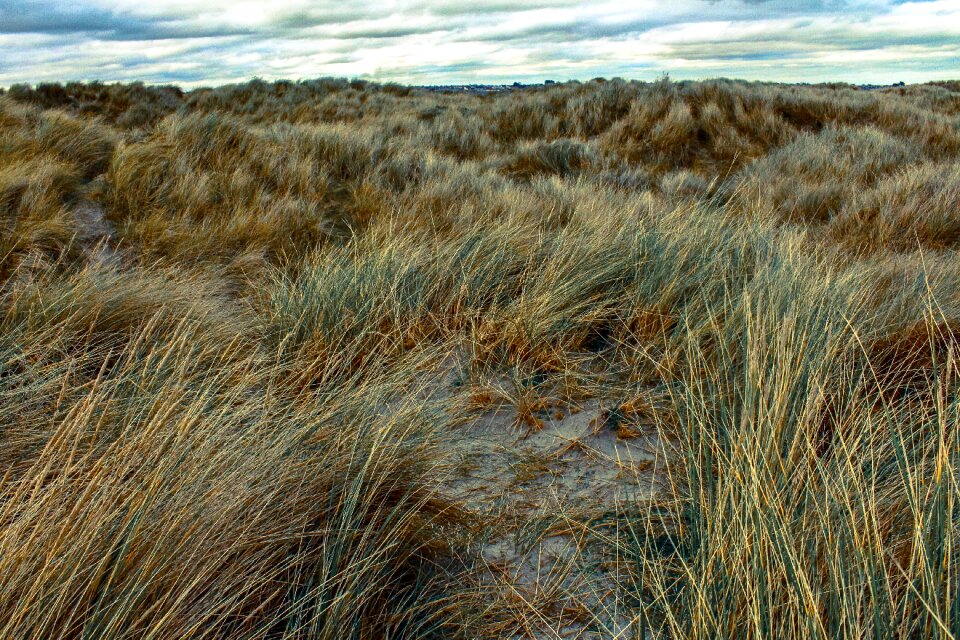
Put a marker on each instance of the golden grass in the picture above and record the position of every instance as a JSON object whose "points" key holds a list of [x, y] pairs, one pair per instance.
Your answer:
{"points": [[227, 429]]}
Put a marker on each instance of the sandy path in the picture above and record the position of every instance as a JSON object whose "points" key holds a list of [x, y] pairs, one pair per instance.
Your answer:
{"points": [[95, 233], [536, 493]]}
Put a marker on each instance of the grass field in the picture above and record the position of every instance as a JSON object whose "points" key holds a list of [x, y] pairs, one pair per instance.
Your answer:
{"points": [[334, 360]]}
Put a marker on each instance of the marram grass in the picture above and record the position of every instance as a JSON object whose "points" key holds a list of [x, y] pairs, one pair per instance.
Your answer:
{"points": [[223, 312]]}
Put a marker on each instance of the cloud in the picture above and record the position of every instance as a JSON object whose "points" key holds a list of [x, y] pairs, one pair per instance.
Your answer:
{"points": [[440, 41], [58, 18]]}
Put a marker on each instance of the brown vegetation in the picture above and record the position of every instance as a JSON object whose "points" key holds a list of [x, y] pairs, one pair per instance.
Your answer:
{"points": [[222, 314]]}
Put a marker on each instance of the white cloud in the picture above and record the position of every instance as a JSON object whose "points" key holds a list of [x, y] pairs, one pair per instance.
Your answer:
{"points": [[440, 41]]}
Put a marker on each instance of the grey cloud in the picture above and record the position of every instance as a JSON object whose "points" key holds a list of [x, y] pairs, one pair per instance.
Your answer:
{"points": [[804, 39], [57, 18], [599, 27], [40, 17], [481, 7], [312, 39], [384, 32], [306, 18]]}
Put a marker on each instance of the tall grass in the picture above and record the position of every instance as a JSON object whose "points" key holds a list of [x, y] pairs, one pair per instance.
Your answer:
{"points": [[177, 487], [815, 481], [232, 427]]}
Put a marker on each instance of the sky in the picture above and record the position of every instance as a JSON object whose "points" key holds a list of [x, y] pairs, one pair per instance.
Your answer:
{"points": [[478, 41]]}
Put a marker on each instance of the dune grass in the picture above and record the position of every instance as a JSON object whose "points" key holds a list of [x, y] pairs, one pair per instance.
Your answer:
{"points": [[230, 429]]}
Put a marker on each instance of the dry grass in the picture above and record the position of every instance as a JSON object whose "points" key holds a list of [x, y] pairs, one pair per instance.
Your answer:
{"points": [[229, 429]]}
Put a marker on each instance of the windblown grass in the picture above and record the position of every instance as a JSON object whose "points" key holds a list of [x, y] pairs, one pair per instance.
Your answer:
{"points": [[231, 428], [816, 480]]}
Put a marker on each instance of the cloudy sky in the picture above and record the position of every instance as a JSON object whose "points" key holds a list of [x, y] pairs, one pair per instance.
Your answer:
{"points": [[452, 41]]}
